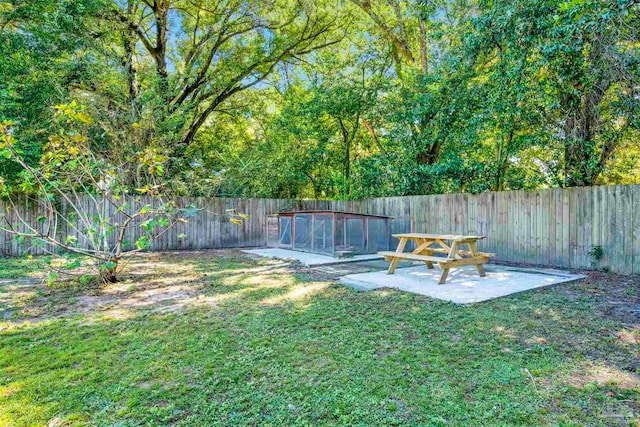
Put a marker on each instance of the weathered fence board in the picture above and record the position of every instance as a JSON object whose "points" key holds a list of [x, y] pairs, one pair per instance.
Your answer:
{"points": [[634, 233], [557, 227]]}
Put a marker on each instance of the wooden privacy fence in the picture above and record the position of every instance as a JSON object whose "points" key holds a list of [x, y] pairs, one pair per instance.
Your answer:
{"points": [[556, 227], [210, 228]]}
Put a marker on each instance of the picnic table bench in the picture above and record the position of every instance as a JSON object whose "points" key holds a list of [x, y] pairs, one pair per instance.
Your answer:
{"points": [[455, 255]]}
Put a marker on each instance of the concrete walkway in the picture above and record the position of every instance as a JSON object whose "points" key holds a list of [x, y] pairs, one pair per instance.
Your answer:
{"points": [[307, 258]]}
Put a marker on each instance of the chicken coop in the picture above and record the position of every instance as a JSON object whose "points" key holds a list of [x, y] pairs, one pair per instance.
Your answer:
{"points": [[335, 233]]}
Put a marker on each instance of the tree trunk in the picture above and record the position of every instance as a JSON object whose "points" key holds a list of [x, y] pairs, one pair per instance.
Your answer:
{"points": [[109, 271], [132, 76], [161, 45], [430, 156], [423, 46], [502, 157], [582, 167], [348, 138]]}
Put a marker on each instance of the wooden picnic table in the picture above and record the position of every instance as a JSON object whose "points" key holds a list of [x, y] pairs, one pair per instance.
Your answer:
{"points": [[449, 244]]}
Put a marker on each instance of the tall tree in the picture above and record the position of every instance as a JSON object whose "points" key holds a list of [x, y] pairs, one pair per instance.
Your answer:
{"points": [[594, 53], [204, 52]]}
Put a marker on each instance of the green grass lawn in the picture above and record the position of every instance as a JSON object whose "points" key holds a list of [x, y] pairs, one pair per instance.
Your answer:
{"points": [[218, 339]]}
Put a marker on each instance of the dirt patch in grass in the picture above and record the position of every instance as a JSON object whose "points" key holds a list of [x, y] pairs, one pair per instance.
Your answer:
{"points": [[605, 376], [615, 295], [151, 282], [164, 282]]}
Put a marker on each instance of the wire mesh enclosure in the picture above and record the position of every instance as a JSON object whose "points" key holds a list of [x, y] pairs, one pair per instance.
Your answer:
{"points": [[332, 232]]}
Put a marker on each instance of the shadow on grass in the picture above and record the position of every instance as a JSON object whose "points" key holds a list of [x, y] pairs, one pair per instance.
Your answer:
{"points": [[151, 283], [255, 344]]}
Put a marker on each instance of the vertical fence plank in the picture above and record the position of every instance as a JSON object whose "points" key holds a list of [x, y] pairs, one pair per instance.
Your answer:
{"points": [[511, 228], [587, 242], [635, 210], [557, 245], [627, 228], [604, 223], [596, 209], [620, 229], [579, 227], [573, 229], [610, 247], [551, 223], [527, 224], [499, 224], [566, 252], [545, 231], [482, 219]]}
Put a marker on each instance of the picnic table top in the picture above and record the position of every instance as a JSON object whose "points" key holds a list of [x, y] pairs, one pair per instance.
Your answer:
{"points": [[437, 236]]}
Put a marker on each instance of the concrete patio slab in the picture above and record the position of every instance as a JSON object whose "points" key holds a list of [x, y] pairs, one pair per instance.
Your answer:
{"points": [[307, 258], [463, 286]]}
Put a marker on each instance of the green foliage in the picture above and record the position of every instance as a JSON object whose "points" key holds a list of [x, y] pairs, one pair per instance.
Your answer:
{"points": [[503, 103], [86, 195], [325, 99], [596, 253]]}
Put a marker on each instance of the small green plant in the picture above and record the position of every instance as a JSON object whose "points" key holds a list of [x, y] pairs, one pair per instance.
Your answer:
{"points": [[596, 253]]}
